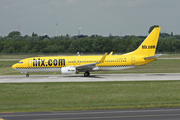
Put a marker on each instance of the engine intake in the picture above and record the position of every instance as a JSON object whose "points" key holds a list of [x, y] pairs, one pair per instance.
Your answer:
{"points": [[68, 70]]}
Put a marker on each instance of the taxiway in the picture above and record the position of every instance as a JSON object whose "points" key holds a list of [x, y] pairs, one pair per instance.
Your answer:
{"points": [[124, 114], [92, 78]]}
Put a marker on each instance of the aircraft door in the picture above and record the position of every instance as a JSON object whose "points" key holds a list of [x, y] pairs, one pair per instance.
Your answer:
{"points": [[133, 60], [30, 63]]}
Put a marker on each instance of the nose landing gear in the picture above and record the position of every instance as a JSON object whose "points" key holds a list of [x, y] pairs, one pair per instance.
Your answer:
{"points": [[27, 75]]}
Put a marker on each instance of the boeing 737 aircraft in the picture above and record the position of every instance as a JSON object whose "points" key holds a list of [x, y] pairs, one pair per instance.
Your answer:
{"points": [[144, 54]]}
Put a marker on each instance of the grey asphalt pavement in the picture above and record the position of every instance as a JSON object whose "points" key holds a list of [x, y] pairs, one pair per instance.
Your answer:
{"points": [[123, 114], [91, 78]]}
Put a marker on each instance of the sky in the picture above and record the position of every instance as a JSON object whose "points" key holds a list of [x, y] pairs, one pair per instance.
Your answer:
{"points": [[101, 17]]}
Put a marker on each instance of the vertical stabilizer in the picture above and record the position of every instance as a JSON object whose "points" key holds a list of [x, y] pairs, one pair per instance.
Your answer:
{"points": [[148, 46]]}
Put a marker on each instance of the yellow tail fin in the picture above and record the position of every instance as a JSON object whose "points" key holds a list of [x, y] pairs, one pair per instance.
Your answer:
{"points": [[148, 46]]}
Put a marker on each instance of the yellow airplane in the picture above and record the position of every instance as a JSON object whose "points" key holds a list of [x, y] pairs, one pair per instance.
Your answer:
{"points": [[144, 54]]}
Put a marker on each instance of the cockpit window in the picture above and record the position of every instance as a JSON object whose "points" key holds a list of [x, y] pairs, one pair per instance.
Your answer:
{"points": [[20, 62]]}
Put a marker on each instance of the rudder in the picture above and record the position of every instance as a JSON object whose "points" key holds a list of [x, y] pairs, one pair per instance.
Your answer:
{"points": [[149, 45]]}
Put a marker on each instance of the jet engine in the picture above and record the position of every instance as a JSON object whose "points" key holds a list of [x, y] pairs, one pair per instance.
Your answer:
{"points": [[68, 70]]}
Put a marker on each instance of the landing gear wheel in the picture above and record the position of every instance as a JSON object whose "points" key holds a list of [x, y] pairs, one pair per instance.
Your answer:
{"points": [[27, 75], [86, 74]]}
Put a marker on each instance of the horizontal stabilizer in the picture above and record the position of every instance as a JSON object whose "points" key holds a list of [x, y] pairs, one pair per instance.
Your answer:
{"points": [[151, 57]]}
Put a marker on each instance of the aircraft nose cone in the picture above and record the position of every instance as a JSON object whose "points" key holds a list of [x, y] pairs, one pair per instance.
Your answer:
{"points": [[14, 66]]}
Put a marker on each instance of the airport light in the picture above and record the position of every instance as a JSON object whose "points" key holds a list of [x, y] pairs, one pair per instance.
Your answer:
{"points": [[79, 31], [56, 29]]}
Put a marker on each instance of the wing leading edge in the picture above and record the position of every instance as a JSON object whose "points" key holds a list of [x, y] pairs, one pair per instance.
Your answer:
{"points": [[89, 67]]}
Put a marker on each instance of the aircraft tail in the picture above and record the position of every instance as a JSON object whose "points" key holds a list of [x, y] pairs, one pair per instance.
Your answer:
{"points": [[148, 46]]}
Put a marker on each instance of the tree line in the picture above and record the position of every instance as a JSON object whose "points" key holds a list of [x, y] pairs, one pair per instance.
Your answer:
{"points": [[15, 43]]}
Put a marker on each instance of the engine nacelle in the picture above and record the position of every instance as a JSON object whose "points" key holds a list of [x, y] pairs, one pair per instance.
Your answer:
{"points": [[68, 70]]}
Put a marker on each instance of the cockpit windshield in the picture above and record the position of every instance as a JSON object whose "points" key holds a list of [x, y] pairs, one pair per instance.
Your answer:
{"points": [[20, 62]]}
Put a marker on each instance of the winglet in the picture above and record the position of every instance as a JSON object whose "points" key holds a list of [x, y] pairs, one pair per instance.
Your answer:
{"points": [[111, 53], [103, 58]]}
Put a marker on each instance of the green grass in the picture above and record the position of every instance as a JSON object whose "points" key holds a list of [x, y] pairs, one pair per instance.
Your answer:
{"points": [[30, 97], [23, 56], [170, 56], [15, 56]]}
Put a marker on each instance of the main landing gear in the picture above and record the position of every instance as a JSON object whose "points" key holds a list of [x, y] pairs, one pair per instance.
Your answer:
{"points": [[86, 74]]}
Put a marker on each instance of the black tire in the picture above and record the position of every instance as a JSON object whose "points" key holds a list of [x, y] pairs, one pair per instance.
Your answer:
{"points": [[86, 74], [27, 75]]}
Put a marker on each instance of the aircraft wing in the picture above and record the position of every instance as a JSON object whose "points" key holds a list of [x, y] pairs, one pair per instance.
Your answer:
{"points": [[151, 57], [90, 66]]}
